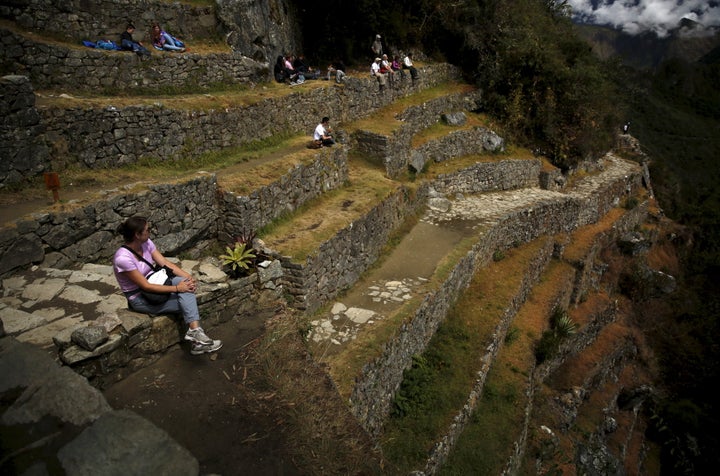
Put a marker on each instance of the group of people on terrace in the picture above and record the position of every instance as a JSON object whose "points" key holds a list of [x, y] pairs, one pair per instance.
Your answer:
{"points": [[294, 70], [383, 69], [161, 40]]}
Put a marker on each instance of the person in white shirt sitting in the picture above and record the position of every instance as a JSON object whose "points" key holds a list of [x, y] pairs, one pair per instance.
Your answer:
{"points": [[375, 70], [408, 64], [323, 134]]}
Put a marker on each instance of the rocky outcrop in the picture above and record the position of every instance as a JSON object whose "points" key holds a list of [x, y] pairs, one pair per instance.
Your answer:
{"points": [[261, 30], [73, 419]]}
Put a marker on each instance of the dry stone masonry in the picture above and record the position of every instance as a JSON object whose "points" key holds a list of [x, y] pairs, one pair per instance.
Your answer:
{"points": [[59, 295], [23, 154], [112, 136]]}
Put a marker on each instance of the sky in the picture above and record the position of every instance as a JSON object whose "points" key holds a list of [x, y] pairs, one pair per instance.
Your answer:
{"points": [[639, 16]]}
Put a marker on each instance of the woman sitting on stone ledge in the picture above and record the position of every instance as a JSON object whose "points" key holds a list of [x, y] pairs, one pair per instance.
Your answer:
{"points": [[135, 260]]}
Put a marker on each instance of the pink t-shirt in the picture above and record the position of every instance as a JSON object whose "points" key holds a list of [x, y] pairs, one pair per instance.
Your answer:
{"points": [[125, 260]]}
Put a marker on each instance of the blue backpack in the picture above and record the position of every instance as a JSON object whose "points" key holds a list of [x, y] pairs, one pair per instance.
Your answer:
{"points": [[107, 45]]}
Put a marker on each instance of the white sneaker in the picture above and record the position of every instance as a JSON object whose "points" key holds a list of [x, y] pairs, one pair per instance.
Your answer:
{"points": [[198, 349], [198, 336]]}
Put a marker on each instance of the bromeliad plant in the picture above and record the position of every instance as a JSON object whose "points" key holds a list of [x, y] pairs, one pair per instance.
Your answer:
{"points": [[238, 258]]}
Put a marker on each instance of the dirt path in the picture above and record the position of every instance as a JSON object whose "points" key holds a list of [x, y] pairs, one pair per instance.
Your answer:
{"points": [[212, 404], [258, 406]]}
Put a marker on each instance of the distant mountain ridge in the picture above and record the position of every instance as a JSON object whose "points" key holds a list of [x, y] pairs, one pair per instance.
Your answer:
{"points": [[647, 50]]}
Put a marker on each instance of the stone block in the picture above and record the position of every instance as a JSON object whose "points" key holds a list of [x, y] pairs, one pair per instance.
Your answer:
{"points": [[75, 354], [121, 443], [90, 337], [166, 331]]}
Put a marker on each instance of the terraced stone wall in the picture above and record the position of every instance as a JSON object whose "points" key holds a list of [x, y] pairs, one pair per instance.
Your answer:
{"points": [[182, 215], [112, 136], [105, 19], [588, 272], [460, 143], [23, 154], [249, 213], [598, 204], [488, 176], [394, 151], [533, 272], [88, 69], [340, 261], [375, 387]]}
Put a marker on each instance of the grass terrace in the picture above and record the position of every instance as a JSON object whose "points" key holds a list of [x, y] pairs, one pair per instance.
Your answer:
{"points": [[301, 233], [487, 440], [385, 122], [440, 380]]}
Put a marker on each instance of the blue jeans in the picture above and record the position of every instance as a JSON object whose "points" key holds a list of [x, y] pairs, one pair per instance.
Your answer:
{"points": [[183, 303], [170, 43]]}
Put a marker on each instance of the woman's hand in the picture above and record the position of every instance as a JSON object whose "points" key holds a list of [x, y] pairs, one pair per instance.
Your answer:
{"points": [[187, 285]]}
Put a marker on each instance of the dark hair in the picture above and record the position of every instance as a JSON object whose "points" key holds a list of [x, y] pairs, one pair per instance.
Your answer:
{"points": [[130, 25], [131, 226], [325, 119]]}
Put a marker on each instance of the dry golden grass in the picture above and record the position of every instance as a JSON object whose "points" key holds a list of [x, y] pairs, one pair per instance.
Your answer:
{"points": [[384, 121], [585, 238], [441, 129], [253, 170], [321, 432], [328, 214]]}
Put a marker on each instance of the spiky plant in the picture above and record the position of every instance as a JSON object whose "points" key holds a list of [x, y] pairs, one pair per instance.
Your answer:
{"points": [[238, 258]]}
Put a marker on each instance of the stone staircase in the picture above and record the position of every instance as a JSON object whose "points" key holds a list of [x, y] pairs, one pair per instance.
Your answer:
{"points": [[375, 240]]}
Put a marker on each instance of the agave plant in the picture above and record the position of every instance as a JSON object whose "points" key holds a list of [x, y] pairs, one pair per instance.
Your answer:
{"points": [[238, 258], [564, 326]]}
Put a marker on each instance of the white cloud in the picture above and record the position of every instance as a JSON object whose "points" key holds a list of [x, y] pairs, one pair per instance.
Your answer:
{"points": [[637, 16]]}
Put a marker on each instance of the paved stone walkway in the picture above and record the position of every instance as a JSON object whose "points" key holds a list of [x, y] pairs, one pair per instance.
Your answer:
{"points": [[40, 309], [43, 306]]}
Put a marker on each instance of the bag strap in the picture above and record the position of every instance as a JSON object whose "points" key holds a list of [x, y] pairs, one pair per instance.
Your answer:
{"points": [[154, 267]]}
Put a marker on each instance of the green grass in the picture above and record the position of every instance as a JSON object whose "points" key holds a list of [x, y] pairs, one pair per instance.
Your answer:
{"points": [[440, 380]]}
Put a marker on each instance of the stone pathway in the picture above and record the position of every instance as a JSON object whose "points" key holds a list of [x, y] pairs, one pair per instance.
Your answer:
{"points": [[43, 306], [372, 303]]}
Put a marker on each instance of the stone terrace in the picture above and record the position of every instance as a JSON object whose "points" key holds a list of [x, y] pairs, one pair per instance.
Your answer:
{"points": [[310, 261]]}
